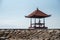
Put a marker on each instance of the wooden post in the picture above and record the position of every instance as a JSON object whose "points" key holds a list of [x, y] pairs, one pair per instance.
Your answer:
{"points": [[44, 22], [39, 22], [30, 22], [35, 23]]}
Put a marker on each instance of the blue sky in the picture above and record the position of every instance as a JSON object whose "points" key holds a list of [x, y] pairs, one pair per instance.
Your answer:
{"points": [[13, 12]]}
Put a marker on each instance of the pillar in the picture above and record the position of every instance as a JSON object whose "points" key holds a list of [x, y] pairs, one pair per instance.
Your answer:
{"points": [[35, 23], [39, 22], [30, 22], [44, 22]]}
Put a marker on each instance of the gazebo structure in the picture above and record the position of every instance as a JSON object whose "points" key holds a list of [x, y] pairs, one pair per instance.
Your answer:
{"points": [[37, 14]]}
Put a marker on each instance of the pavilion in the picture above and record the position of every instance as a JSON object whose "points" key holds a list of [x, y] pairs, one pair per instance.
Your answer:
{"points": [[37, 14]]}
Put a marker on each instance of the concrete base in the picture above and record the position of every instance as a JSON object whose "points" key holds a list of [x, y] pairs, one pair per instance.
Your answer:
{"points": [[38, 27], [41, 28]]}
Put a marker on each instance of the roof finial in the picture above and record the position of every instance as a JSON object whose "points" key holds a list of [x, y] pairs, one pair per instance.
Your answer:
{"points": [[37, 9]]}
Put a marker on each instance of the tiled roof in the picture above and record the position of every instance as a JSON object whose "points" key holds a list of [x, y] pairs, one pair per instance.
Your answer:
{"points": [[37, 14]]}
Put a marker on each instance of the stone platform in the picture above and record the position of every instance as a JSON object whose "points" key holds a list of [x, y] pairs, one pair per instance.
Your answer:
{"points": [[29, 34]]}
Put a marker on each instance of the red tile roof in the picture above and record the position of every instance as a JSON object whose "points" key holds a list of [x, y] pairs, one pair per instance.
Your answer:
{"points": [[37, 14]]}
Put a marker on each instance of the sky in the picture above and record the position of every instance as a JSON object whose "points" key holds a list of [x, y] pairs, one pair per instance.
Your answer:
{"points": [[13, 12]]}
